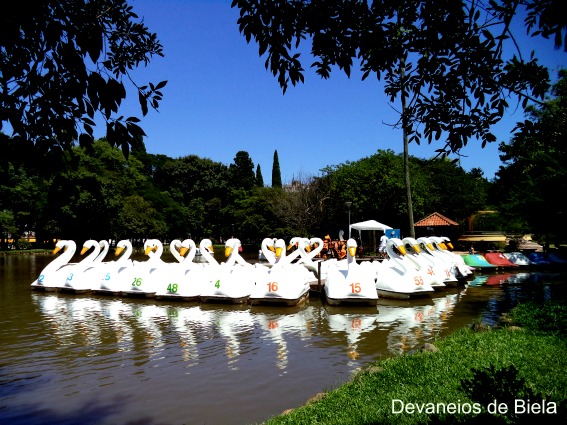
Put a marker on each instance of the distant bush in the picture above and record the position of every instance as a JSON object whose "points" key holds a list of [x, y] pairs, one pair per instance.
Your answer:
{"points": [[23, 245]]}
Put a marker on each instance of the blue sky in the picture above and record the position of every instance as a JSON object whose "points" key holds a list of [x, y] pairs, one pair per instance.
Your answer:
{"points": [[220, 99]]}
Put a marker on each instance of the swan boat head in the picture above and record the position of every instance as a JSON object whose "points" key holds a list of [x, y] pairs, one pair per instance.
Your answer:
{"points": [[104, 248], [188, 250], [285, 282], [268, 250], [174, 248], [56, 270], [232, 249]]}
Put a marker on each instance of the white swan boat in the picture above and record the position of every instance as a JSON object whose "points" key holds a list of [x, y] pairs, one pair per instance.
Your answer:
{"points": [[284, 282], [82, 277], [463, 269], [143, 281], [115, 273], [352, 284], [432, 272], [231, 281], [397, 276], [56, 272], [444, 265], [309, 249], [179, 281]]}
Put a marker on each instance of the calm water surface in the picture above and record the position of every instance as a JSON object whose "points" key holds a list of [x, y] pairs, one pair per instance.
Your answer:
{"points": [[69, 359]]}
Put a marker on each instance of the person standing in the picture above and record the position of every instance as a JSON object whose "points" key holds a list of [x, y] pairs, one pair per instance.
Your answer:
{"points": [[382, 247]]}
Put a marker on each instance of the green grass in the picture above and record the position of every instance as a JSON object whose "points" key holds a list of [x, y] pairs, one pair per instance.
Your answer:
{"points": [[550, 317], [527, 361]]}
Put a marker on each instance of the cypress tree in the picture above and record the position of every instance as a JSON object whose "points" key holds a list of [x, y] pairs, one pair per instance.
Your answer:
{"points": [[259, 178], [276, 173]]}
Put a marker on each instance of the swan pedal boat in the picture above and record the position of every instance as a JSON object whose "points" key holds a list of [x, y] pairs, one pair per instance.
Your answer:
{"points": [[464, 271], [142, 280], [58, 269], [86, 273], [350, 283], [432, 270], [284, 282], [397, 276], [179, 280], [455, 270], [309, 250], [229, 282], [115, 272]]}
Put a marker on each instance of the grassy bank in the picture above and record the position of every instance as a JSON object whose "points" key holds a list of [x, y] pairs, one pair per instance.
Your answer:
{"points": [[519, 366]]}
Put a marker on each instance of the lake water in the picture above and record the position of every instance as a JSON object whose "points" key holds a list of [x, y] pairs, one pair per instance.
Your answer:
{"points": [[96, 360]]}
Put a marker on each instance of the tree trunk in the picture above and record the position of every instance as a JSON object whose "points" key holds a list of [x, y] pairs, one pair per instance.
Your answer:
{"points": [[406, 152]]}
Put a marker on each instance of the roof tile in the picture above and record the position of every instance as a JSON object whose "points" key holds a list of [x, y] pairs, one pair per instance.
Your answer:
{"points": [[436, 219]]}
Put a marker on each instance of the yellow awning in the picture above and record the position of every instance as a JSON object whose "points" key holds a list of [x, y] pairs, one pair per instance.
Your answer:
{"points": [[482, 238]]}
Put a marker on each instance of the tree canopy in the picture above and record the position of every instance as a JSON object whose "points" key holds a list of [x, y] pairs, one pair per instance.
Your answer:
{"points": [[242, 171], [108, 196], [66, 64], [443, 61], [446, 57], [530, 184]]}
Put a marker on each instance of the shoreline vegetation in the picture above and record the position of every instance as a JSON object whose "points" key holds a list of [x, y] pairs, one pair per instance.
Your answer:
{"points": [[512, 373], [25, 251]]}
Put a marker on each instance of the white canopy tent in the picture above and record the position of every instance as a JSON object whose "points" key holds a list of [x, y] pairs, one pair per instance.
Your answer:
{"points": [[372, 225]]}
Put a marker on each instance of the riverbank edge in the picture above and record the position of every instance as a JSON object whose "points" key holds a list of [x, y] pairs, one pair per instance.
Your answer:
{"points": [[523, 353], [26, 251]]}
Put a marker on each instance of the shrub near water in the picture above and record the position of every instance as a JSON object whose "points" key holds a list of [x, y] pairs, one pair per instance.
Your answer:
{"points": [[513, 369], [550, 317]]}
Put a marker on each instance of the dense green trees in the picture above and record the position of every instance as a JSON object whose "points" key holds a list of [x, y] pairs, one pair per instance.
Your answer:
{"points": [[375, 186], [105, 195], [242, 171], [529, 187]]}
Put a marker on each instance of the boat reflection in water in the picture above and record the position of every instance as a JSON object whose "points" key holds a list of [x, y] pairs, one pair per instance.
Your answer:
{"points": [[356, 326], [145, 326], [277, 327], [410, 325], [128, 360], [509, 278]]}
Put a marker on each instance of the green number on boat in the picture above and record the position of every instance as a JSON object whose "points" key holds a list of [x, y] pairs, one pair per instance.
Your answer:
{"points": [[172, 287], [217, 284], [137, 281]]}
